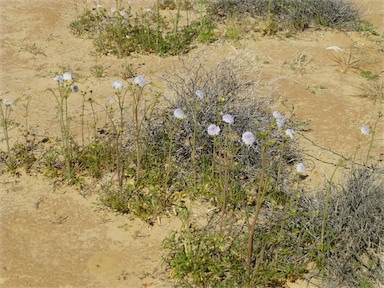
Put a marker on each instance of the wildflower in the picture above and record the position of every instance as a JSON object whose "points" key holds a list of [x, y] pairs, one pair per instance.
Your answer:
{"points": [[200, 93], [75, 88], [99, 6], [58, 78], [8, 102], [335, 48], [113, 9], [179, 113], [213, 130], [149, 10], [364, 130], [140, 80], [290, 133], [111, 100], [227, 118], [279, 119], [67, 76], [300, 168], [248, 138], [118, 85], [122, 13]]}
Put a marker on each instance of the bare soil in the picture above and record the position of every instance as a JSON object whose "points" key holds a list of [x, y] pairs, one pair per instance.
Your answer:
{"points": [[57, 236]]}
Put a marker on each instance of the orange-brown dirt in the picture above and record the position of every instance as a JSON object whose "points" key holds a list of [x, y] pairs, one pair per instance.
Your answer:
{"points": [[57, 236]]}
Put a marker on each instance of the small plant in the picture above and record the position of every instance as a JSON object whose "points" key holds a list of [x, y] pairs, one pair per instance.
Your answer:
{"points": [[98, 71], [6, 124], [369, 75], [346, 60], [374, 91], [65, 87], [299, 63]]}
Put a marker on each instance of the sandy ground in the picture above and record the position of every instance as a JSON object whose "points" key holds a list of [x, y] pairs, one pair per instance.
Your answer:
{"points": [[54, 236]]}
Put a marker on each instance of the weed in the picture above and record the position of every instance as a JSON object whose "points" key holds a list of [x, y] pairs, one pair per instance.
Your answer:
{"points": [[346, 60], [374, 91], [298, 64], [369, 75]]}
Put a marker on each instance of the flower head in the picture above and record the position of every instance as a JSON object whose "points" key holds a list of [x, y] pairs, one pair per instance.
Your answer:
{"points": [[213, 130], [179, 113], [67, 76], [227, 118], [111, 100], [290, 133], [279, 119], [248, 138], [75, 88], [364, 130], [300, 168], [58, 78], [140, 80], [118, 85], [149, 10], [8, 102], [122, 13], [113, 9], [200, 93]]}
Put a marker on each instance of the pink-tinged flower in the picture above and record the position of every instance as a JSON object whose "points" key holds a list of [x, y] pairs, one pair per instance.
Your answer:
{"points": [[8, 102], [140, 81], [213, 130], [67, 76], [118, 85], [58, 78], [227, 118], [290, 133], [179, 113], [279, 119], [200, 93], [248, 138], [364, 130], [300, 168]]}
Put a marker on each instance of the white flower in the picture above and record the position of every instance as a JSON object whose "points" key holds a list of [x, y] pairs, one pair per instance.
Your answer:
{"points": [[58, 78], [179, 113], [276, 114], [113, 9], [122, 13], [149, 10], [67, 76], [248, 138], [335, 48], [8, 102], [300, 168], [227, 118], [365, 130], [140, 80], [213, 130], [200, 93], [290, 133], [99, 6], [118, 85], [111, 100], [279, 119]]}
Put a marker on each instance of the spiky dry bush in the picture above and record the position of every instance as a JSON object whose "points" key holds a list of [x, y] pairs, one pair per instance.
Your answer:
{"points": [[352, 250], [298, 14], [226, 91]]}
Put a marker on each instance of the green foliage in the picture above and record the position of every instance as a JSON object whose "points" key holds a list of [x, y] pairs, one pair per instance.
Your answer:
{"points": [[369, 75], [121, 33]]}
